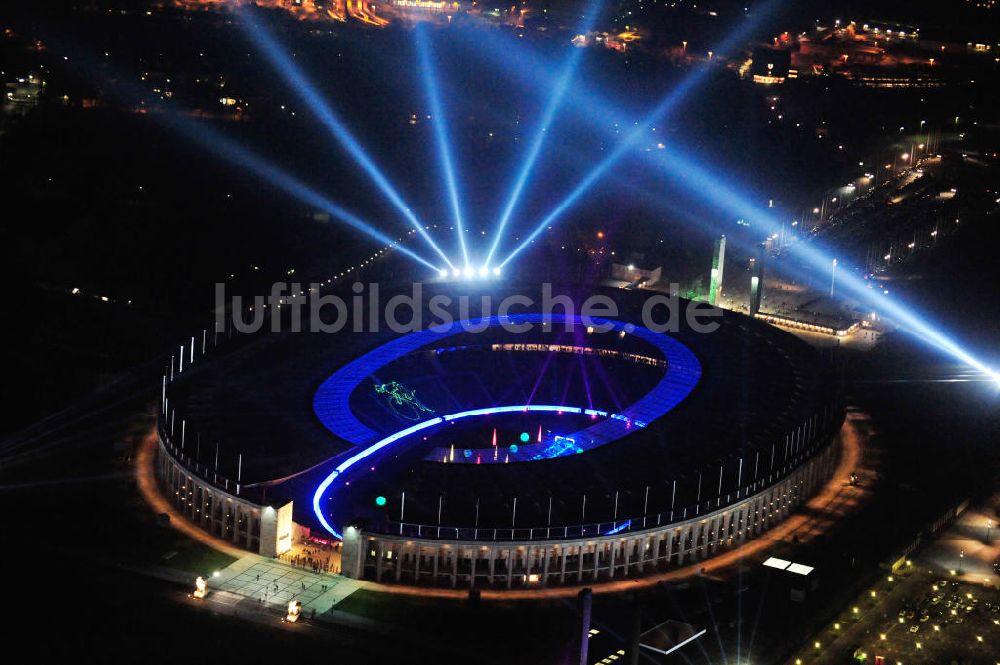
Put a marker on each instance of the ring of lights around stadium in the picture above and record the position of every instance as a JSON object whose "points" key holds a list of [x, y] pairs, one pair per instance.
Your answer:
{"points": [[331, 402]]}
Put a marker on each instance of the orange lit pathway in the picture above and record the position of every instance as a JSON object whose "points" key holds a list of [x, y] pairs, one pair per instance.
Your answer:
{"points": [[145, 476]]}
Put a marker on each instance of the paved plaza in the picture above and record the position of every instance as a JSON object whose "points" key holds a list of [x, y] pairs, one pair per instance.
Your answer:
{"points": [[969, 546], [274, 583]]}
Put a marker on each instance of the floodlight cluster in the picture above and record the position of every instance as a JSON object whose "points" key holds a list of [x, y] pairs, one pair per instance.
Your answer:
{"points": [[468, 272]]}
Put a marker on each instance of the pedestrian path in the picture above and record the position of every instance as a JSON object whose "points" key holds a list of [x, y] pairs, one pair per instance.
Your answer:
{"points": [[275, 583]]}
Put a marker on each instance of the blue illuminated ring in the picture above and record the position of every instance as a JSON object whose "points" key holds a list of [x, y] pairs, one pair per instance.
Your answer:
{"points": [[331, 402], [402, 434]]}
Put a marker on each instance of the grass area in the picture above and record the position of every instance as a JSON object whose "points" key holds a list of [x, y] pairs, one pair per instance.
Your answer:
{"points": [[194, 557], [393, 608]]}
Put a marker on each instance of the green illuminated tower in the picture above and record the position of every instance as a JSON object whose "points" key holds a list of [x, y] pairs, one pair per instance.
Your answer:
{"points": [[718, 263]]}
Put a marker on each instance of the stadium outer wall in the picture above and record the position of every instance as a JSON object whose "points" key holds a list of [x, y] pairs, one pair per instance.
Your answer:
{"points": [[551, 562], [214, 504], [269, 530]]}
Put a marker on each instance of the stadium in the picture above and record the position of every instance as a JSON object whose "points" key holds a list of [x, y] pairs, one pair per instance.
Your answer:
{"points": [[500, 450]]}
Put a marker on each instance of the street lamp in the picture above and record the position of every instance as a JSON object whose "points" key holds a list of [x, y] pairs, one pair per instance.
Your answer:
{"points": [[989, 526]]}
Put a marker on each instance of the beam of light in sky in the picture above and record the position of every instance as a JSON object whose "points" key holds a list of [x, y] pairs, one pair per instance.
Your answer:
{"points": [[726, 197], [674, 97], [710, 185], [565, 76], [283, 64], [441, 134], [232, 152]]}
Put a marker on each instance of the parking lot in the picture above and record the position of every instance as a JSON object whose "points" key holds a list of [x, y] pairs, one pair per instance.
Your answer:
{"points": [[932, 609], [943, 621], [916, 617]]}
